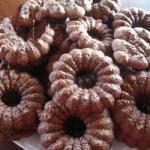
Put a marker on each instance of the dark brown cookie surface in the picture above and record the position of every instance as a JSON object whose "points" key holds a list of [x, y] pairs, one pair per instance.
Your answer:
{"points": [[104, 10], [21, 99], [90, 33], [106, 86], [24, 50], [53, 9], [132, 37], [64, 129], [131, 111]]}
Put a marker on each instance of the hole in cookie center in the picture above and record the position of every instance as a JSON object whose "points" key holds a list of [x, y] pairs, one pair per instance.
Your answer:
{"points": [[23, 32], [74, 127], [143, 104], [11, 98], [85, 79], [31, 32], [96, 35], [96, 1]]}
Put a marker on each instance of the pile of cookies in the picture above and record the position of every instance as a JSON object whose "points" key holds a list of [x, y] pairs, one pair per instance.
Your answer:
{"points": [[77, 71]]}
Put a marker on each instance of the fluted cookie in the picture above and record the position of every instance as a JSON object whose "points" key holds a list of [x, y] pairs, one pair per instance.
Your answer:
{"points": [[131, 46], [90, 33], [102, 92], [25, 49], [22, 97], [62, 9], [63, 129], [131, 111], [104, 10]]}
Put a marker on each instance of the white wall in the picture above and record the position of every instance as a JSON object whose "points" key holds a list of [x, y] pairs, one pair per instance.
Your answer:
{"points": [[136, 3]]}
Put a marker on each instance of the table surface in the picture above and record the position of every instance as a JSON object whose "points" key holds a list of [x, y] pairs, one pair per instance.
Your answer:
{"points": [[9, 7], [33, 142]]}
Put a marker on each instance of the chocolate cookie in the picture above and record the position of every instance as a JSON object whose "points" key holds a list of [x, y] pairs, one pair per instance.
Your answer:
{"points": [[22, 97], [60, 128], [53, 9], [131, 111], [103, 91], [90, 33], [104, 10], [132, 37], [25, 49], [27, 11]]}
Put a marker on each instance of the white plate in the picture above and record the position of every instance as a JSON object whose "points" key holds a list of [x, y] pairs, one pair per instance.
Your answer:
{"points": [[33, 142]]}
